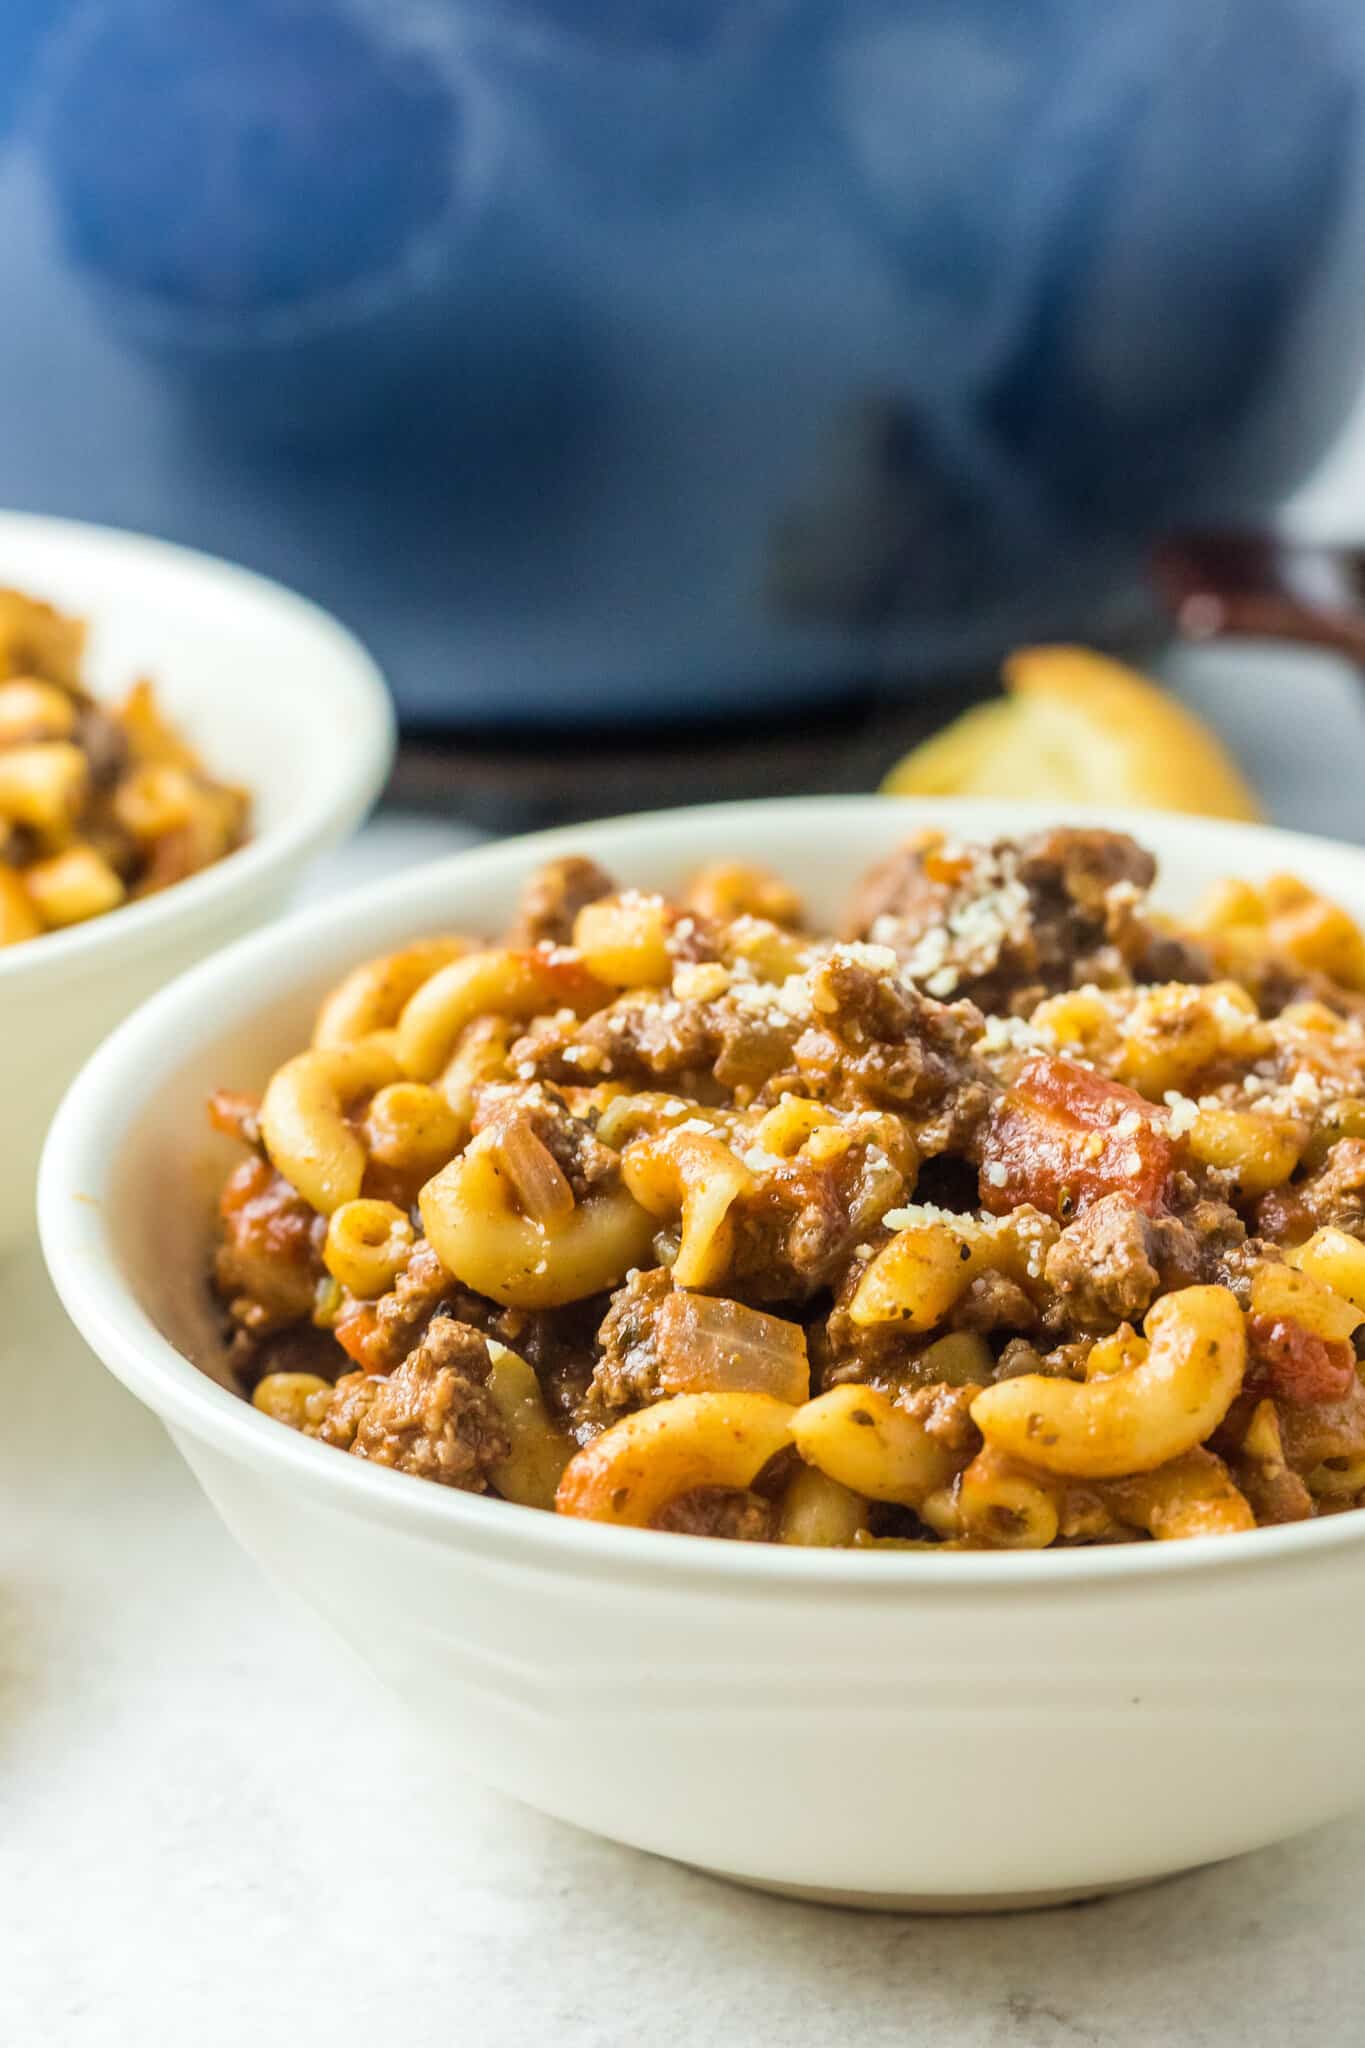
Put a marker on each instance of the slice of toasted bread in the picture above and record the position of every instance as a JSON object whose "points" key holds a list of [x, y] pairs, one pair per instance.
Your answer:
{"points": [[1078, 727]]}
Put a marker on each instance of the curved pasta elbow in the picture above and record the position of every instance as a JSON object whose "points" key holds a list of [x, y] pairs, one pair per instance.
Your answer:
{"points": [[500, 983], [482, 1239], [914, 1280], [539, 1448], [303, 1119], [630, 1473], [696, 1178], [1135, 1419], [373, 996], [1000, 1506], [862, 1439]]}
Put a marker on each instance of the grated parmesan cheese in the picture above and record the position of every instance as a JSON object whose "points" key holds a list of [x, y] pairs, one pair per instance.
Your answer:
{"points": [[1184, 1113], [919, 1215]]}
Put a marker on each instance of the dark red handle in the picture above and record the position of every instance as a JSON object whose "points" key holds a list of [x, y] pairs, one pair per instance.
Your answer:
{"points": [[1265, 586]]}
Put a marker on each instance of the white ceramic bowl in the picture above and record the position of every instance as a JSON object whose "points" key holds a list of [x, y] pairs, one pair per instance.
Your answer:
{"points": [[881, 1728], [275, 694]]}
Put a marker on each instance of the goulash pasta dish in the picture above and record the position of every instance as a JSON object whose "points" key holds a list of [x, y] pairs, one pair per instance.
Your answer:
{"points": [[98, 804], [1017, 1216]]}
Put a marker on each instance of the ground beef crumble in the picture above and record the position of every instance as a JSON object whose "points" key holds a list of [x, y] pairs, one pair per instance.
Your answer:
{"points": [[269, 1261], [706, 1050], [432, 1416], [744, 1517], [1100, 1267], [585, 1163], [552, 899], [1008, 924], [627, 1371], [874, 1041]]}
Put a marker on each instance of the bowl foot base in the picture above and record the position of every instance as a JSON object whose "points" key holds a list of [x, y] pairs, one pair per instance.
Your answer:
{"points": [[940, 1902]]}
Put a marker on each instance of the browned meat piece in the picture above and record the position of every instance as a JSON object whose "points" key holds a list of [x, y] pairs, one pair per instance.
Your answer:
{"points": [[1063, 1362], [403, 1314], [692, 938], [585, 1162], [1017, 1358], [1008, 924], [905, 893], [1172, 956], [797, 1230], [300, 1348], [1234, 1265], [1275, 982], [993, 1302], [553, 897], [710, 1051], [1100, 1267], [628, 1041], [875, 1041], [270, 1260], [1081, 867], [174, 855], [105, 744], [1204, 1243], [627, 1373], [432, 1416], [946, 1415], [1334, 1194], [720, 1511], [558, 1344], [658, 1340], [1313, 1432], [1274, 1493], [236, 1115]]}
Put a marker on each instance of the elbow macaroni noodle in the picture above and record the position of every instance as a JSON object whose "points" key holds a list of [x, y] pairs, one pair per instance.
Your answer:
{"points": [[483, 1240], [645, 1169], [98, 805]]}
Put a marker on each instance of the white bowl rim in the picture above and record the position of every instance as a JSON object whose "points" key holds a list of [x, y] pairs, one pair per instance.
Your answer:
{"points": [[363, 708], [84, 1140]]}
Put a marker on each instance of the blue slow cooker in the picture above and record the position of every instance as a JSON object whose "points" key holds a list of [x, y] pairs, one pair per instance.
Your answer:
{"points": [[606, 359]]}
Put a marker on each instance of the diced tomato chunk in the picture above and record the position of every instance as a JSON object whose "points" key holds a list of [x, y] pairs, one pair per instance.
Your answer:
{"points": [[572, 985], [236, 1114], [354, 1329], [1064, 1137], [1294, 1364]]}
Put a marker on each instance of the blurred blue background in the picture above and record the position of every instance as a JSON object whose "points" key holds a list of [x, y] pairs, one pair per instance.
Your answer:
{"points": [[602, 361]]}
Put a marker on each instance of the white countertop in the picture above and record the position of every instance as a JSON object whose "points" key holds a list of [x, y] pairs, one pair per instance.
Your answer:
{"points": [[215, 1830]]}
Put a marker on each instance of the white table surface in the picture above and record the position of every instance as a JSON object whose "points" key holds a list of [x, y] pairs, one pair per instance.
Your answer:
{"points": [[215, 1830]]}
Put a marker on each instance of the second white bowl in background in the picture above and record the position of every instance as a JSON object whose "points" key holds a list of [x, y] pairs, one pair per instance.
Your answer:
{"points": [[274, 694]]}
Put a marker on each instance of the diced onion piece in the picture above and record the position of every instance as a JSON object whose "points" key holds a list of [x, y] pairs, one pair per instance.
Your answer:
{"points": [[818, 1513], [712, 1346], [537, 1178]]}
